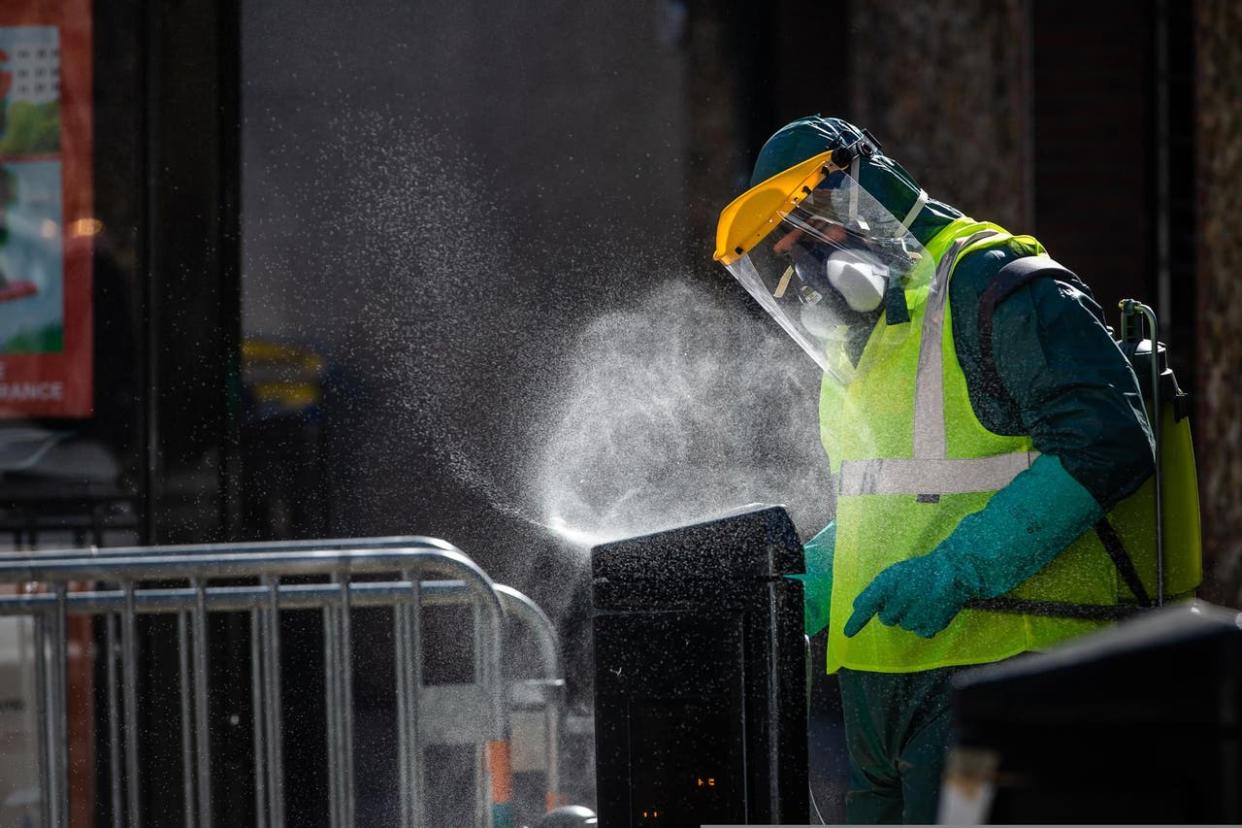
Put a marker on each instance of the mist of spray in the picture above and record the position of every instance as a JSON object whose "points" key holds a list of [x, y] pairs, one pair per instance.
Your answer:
{"points": [[677, 408]]}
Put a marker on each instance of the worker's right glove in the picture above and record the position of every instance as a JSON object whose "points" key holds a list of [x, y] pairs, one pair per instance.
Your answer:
{"points": [[921, 595], [1020, 531], [817, 582]]}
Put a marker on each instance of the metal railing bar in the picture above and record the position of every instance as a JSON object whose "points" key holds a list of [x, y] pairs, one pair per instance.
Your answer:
{"points": [[272, 686], [187, 718], [482, 769], [367, 594], [414, 620], [42, 706], [114, 723], [259, 547], [401, 658], [521, 607], [129, 695], [332, 704], [60, 716], [345, 642], [284, 564], [202, 688], [258, 719]]}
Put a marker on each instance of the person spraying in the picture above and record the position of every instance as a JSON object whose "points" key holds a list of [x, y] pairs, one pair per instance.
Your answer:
{"points": [[989, 448]]}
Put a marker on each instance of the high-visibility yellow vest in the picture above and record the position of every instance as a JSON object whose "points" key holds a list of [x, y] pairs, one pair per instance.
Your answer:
{"points": [[910, 459]]}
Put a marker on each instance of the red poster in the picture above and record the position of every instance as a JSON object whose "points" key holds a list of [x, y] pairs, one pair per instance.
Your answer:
{"points": [[47, 223]]}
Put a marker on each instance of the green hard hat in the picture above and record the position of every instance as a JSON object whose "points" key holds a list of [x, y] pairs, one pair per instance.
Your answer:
{"points": [[799, 140]]}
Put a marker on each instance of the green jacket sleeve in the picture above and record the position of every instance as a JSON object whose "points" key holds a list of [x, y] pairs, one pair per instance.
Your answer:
{"points": [[1065, 382]]}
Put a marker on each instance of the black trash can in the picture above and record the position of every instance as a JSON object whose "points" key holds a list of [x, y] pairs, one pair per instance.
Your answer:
{"points": [[700, 675]]}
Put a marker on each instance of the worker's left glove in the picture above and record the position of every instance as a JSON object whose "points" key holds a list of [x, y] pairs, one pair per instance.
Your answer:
{"points": [[817, 582], [1020, 531]]}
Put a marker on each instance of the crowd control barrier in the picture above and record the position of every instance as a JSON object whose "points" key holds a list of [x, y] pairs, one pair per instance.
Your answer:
{"points": [[115, 586]]}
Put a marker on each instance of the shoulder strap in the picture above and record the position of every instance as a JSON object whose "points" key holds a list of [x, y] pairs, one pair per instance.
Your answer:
{"points": [[1121, 559], [1009, 279]]}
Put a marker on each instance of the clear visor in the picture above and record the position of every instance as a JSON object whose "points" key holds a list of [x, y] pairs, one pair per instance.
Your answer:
{"points": [[826, 270]]}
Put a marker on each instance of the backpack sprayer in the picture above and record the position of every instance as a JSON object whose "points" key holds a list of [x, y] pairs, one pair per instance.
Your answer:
{"points": [[1131, 344], [1168, 409]]}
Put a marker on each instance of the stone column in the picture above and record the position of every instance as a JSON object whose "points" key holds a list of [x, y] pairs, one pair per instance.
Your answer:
{"points": [[1218, 431], [944, 85]]}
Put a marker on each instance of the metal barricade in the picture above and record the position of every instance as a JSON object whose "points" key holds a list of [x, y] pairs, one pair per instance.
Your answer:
{"points": [[548, 691], [425, 714]]}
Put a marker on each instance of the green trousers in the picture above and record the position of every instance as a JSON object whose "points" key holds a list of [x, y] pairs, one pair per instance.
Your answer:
{"points": [[896, 731]]}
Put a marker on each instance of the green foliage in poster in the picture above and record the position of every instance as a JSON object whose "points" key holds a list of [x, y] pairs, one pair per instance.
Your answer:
{"points": [[49, 339], [30, 128]]}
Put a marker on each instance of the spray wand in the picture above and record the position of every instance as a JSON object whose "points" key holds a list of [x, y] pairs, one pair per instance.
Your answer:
{"points": [[1132, 332]]}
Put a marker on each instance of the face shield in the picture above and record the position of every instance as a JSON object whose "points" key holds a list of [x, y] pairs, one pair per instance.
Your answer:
{"points": [[823, 257]]}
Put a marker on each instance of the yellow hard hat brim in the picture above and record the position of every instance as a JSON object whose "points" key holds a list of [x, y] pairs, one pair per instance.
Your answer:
{"points": [[750, 217]]}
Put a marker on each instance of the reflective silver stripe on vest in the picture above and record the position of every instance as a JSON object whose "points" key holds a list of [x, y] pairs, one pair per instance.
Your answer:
{"points": [[931, 477], [929, 425]]}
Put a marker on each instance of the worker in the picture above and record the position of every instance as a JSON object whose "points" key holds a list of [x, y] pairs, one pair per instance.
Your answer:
{"points": [[984, 433]]}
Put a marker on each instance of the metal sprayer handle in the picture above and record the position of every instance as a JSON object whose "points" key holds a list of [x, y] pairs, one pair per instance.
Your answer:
{"points": [[1128, 308]]}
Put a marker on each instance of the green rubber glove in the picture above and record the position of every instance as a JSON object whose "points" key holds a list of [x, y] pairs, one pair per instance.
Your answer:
{"points": [[817, 582], [1020, 531]]}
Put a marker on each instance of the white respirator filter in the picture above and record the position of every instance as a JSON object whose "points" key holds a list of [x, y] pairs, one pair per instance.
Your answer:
{"points": [[861, 284]]}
